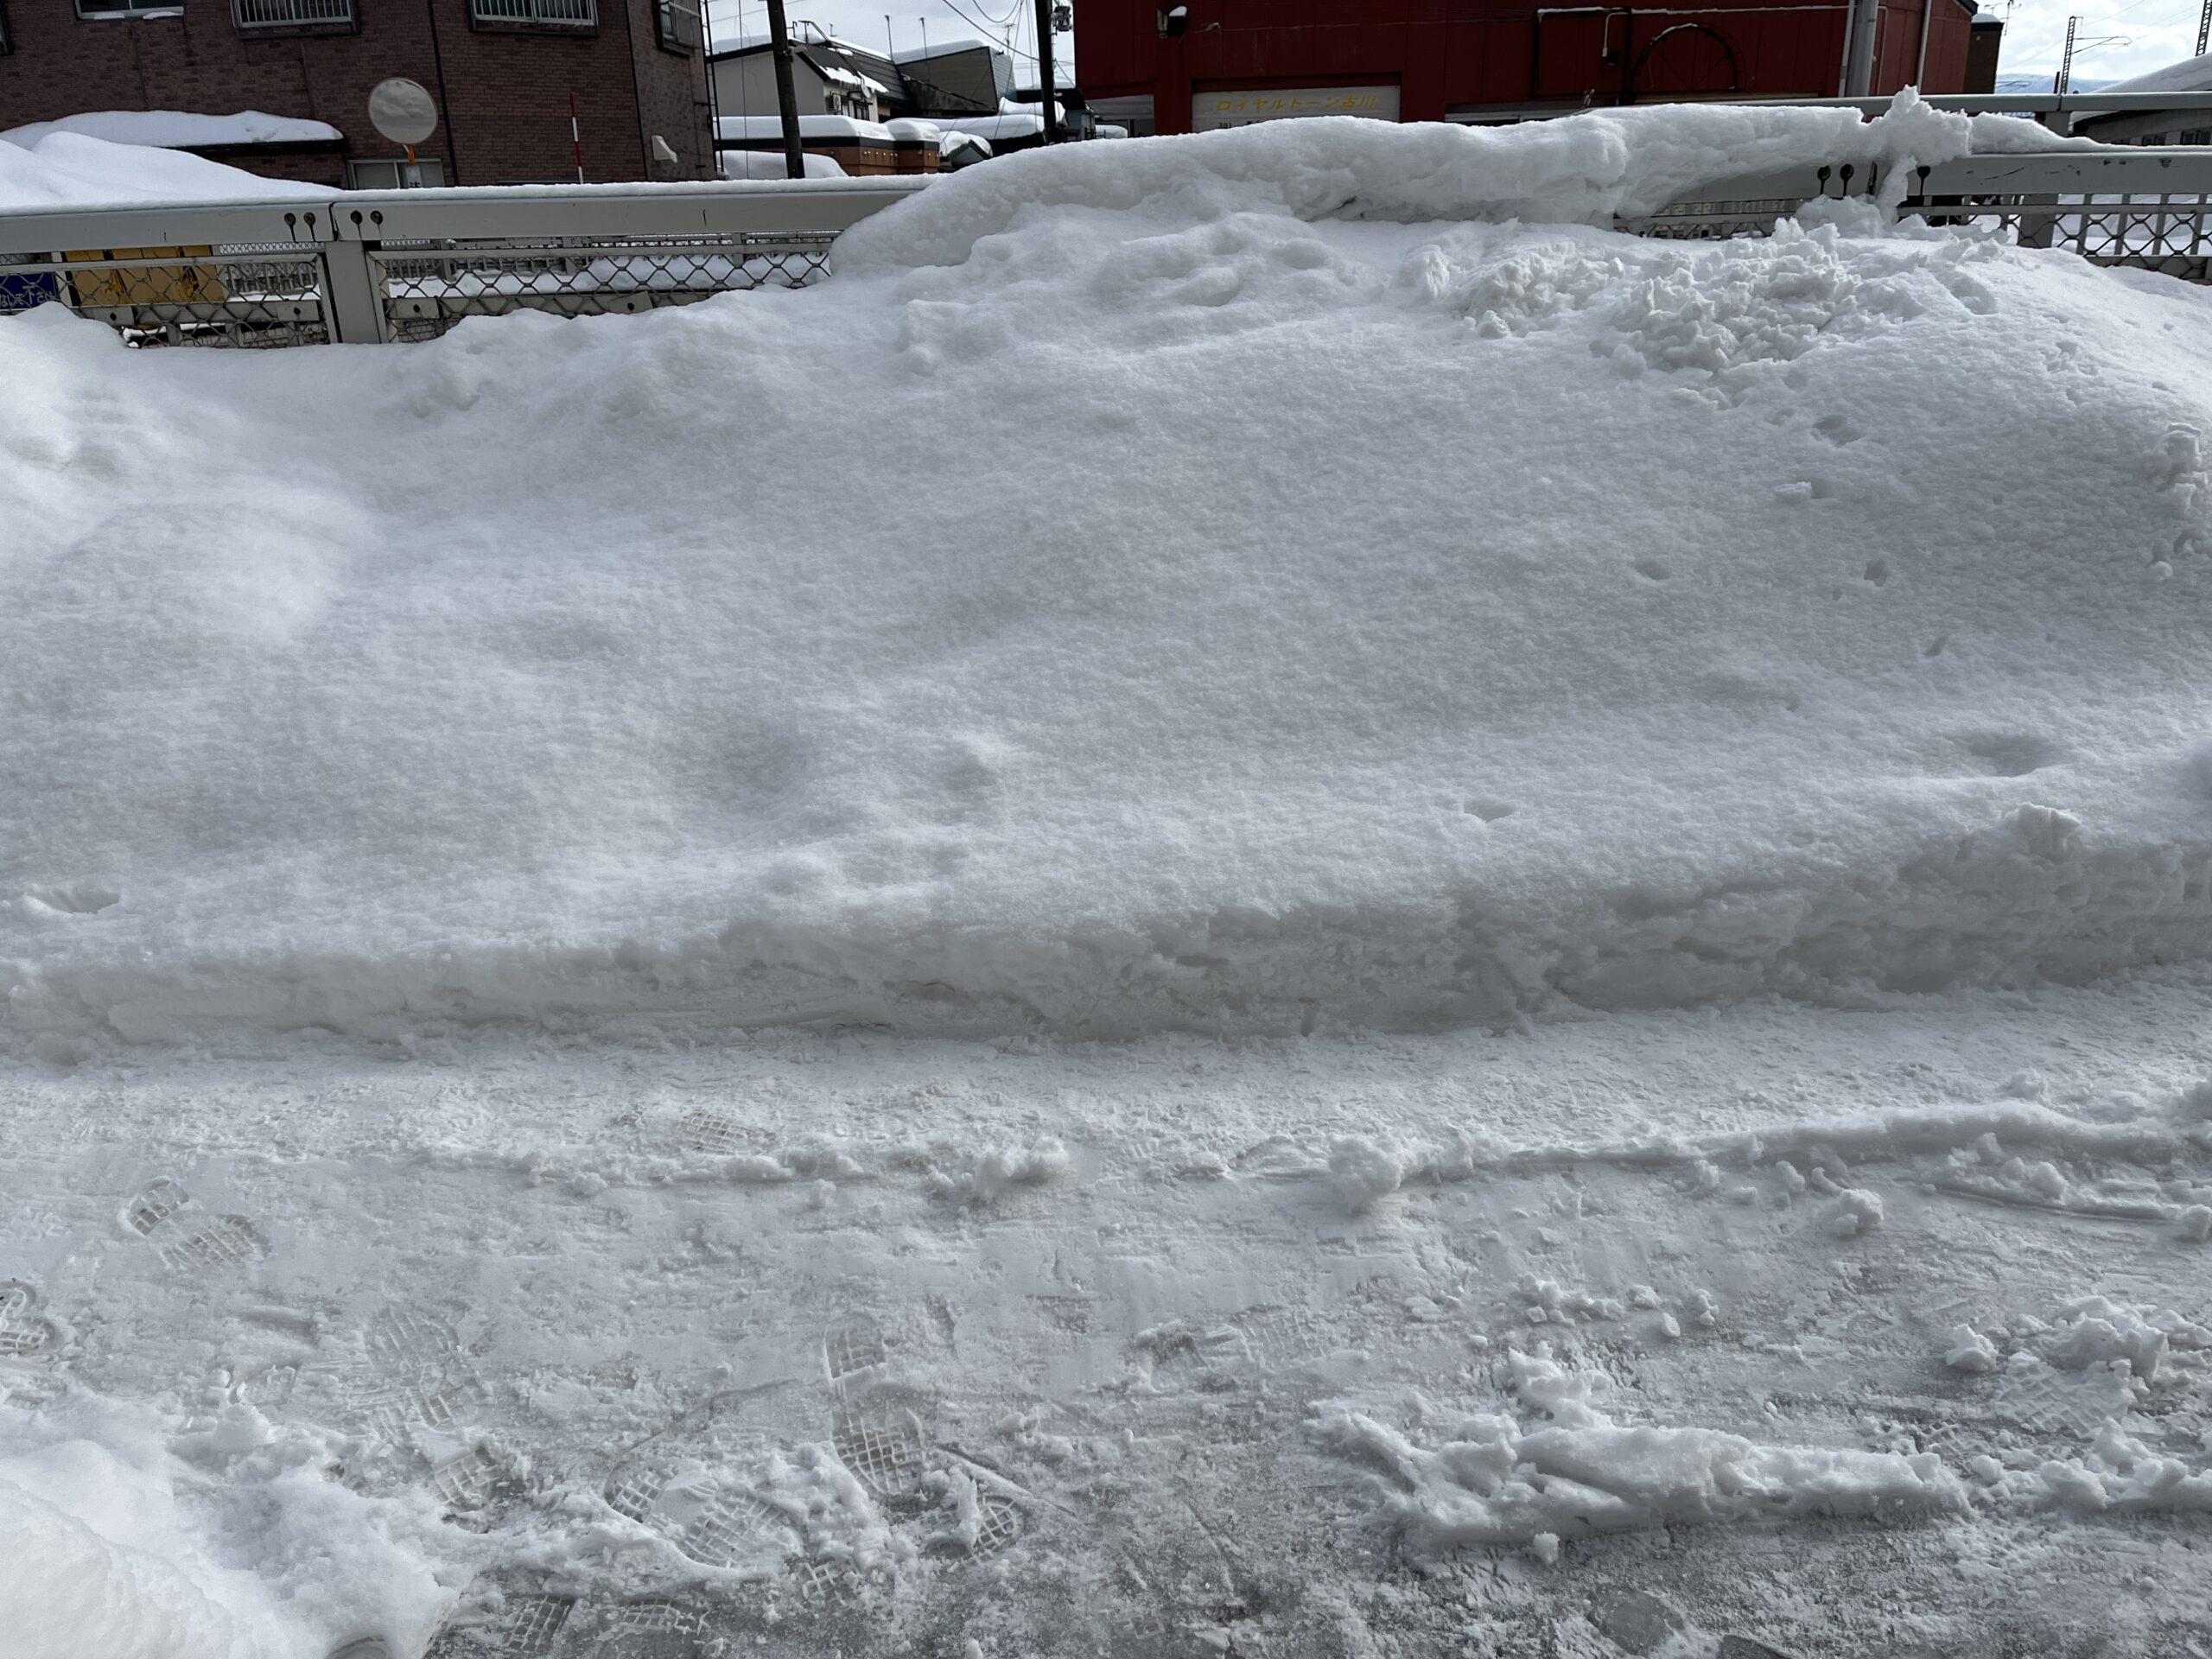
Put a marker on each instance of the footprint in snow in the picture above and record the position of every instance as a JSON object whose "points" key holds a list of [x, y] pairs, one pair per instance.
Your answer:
{"points": [[23, 1333]]}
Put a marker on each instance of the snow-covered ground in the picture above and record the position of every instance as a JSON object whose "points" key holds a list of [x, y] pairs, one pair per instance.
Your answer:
{"points": [[1259, 899]]}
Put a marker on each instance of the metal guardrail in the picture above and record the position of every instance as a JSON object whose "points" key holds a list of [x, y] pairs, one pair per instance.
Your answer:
{"points": [[402, 265], [2143, 208], [2035, 103], [407, 264]]}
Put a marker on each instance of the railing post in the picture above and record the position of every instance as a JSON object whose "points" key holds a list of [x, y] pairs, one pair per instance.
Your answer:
{"points": [[351, 292]]}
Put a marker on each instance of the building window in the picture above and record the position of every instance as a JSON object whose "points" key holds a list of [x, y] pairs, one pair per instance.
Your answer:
{"points": [[536, 14], [105, 10], [677, 24], [291, 14], [381, 174]]}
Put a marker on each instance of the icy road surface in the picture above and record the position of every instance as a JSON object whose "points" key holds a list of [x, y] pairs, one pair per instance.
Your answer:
{"points": [[1844, 1333]]}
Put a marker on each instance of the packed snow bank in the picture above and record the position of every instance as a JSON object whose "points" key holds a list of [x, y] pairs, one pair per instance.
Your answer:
{"points": [[70, 169], [1408, 623], [1586, 170], [179, 129]]}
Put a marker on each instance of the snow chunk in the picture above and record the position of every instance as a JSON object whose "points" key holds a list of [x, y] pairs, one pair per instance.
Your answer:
{"points": [[2098, 1330], [1496, 1481], [1857, 1212], [991, 1172], [1971, 1351]]}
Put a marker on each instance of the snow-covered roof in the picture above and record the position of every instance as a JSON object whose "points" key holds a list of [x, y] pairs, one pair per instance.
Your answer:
{"points": [[945, 50], [909, 130], [1010, 125], [180, 128], [70, 169], [746, 128], [2189, 75], [768, 166]]}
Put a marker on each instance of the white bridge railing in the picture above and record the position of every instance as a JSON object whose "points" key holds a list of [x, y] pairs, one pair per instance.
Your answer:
{"points": [[400, 265], [408, 265], [2145, 209]]}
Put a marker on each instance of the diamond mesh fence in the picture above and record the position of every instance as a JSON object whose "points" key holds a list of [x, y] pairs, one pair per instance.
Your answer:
{"points": [[261, 295], [243, 295], [429, 288]]}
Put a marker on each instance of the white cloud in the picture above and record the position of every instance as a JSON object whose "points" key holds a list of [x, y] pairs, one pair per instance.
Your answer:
{"points": [[2157, 32]]}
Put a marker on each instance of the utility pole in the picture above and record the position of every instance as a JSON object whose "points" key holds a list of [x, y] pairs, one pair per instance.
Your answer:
{"points": [[779, 40], [2058, 82], [1047, 83]]}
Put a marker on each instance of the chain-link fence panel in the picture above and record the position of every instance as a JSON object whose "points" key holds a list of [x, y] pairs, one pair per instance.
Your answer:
{"points": [[428, 288], [248, 296]]}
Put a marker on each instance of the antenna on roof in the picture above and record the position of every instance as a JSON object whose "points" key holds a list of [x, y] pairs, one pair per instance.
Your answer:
{"points": [[2203, 28]]}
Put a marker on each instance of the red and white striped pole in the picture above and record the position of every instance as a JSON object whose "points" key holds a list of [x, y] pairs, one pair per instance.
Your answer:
{"points": [[576, 138]]}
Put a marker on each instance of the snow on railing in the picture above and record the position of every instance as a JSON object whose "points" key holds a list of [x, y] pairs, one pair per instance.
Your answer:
{"points": [[402, 265]]}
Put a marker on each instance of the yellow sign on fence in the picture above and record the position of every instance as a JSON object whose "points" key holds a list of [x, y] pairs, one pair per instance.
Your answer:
{"points": [[149, 284]]}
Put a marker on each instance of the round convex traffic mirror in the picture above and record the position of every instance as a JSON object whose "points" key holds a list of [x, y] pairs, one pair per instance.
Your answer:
{"points": [[402, 110]]}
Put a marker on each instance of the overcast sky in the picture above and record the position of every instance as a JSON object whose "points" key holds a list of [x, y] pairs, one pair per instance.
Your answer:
{"points": [[2157, 31], [942, 20]]}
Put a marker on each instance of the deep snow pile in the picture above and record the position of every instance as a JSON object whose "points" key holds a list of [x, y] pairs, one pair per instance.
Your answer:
{"points": [[1302, 573]]}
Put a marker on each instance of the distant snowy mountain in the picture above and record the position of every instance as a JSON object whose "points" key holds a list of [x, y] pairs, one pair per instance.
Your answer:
{"points": [[2041, 83]]}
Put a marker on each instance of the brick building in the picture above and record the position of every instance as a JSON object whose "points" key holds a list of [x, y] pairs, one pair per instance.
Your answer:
{"points": [[503, 73], [1168, 66]]}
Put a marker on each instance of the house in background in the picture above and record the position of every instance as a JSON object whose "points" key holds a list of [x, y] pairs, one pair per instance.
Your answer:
{"points": [[753, 145], [834, 76], [958, 77], [829, 77], [505, 75]]}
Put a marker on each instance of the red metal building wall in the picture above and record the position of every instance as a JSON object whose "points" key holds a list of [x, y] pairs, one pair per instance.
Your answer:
{"points": [[1452, 56]]}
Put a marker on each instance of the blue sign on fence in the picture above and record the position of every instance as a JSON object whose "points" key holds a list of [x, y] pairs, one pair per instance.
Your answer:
{"points": [[21, 290]]}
